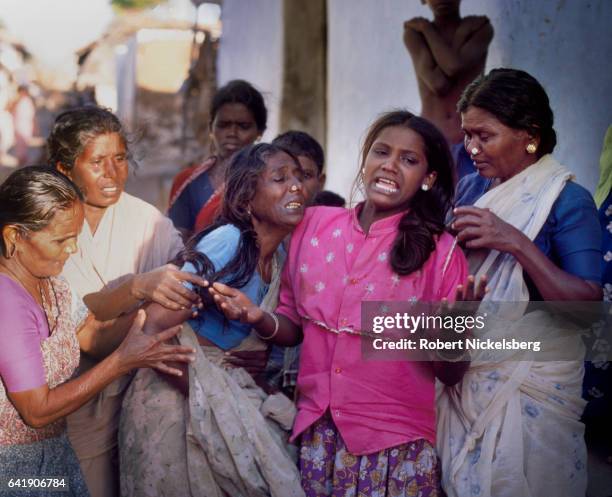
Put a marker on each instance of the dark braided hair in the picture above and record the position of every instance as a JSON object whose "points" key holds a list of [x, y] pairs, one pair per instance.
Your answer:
{"points": [[516, 99], [424, 221], [241, 179]]}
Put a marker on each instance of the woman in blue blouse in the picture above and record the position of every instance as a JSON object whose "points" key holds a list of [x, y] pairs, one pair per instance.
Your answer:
{"points": [[512, 427], [213, 435]]}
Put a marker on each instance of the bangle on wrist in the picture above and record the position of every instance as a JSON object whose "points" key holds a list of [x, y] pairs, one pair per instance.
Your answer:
{"points": [[276, 327]]}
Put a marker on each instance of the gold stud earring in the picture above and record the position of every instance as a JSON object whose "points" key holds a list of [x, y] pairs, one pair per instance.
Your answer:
{"points": [[531, 148]]}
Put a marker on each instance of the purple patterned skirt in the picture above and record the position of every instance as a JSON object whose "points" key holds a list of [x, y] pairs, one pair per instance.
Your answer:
{"points": [[328, 469]]}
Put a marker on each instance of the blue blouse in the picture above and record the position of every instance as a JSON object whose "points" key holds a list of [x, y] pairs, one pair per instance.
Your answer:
{"points": [[570, 237], [220, 246]]}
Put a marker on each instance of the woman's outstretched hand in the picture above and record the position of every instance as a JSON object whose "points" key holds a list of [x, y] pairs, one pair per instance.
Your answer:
{"points": [[139, 350], [235, 305], [469, 294], [470, 291], [164, 285], [450, 366]]}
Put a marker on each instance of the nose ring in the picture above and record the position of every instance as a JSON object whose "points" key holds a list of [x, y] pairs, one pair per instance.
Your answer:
{"points": [[293, 188], [475, 151]]}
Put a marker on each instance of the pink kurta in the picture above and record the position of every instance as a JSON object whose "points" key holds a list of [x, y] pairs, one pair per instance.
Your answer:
{"points": [[31, 357], [331, 268]]}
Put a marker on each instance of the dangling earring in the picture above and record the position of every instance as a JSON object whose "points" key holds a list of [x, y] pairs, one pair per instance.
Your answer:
{"points": [[531, 148], [424, 187]]}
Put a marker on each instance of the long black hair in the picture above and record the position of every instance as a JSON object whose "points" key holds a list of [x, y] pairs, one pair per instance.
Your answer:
{"points": [[424, 220], [241, 178]]}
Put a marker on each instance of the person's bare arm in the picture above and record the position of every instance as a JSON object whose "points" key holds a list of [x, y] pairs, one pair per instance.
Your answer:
{"points": [[164, 285], [443, 54], [469, 47], [472, 42], [237, 306], [159, 319], [100, 338], [43, 405], [452, 370], [424, 63]]}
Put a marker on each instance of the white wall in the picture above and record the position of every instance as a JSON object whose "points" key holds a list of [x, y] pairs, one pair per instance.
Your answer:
{"points": [[369, 72], [565, 44], [252, 49]]}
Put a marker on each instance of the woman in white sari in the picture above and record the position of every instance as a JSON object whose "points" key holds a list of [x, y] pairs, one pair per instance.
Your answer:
{"points": [[122, 256], [512, 428]]}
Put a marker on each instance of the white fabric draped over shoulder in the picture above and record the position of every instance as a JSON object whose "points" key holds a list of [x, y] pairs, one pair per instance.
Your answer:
{"points": [[513, 427], [133, 237]]}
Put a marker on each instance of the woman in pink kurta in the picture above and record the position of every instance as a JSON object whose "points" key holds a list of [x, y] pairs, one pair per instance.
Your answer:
{"points": [[367, 428]]}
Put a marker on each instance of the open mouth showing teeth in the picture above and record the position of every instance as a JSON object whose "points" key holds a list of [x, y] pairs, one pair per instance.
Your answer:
{"points": [[109, 189], [294, 205], [387, 185]]}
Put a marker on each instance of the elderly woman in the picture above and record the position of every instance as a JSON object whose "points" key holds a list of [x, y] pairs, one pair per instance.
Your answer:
{"points": [[237, 118], [124, 247], [41, 215], [221, 439], [513, 428]]}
